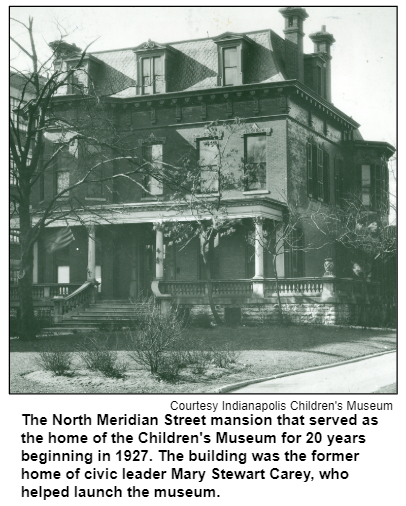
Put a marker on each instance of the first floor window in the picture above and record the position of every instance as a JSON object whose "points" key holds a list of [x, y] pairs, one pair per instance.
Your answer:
{"points": [[255, 162], [152, 155], [208, 163], [294, 255]]}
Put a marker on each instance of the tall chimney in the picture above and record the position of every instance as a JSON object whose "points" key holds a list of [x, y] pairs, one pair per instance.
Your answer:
{"points": [[294, 17], [322, 44]]}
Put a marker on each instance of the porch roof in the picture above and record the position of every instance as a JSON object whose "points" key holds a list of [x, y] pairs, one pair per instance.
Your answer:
{"points": [[157, 211]]}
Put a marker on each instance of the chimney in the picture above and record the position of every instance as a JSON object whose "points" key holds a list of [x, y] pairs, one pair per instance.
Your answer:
{"points": [[322, 44], [294, 17], [62, 49]]}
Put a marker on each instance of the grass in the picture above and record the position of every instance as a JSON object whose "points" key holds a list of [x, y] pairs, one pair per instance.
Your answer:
{"points": [[260, 351]]}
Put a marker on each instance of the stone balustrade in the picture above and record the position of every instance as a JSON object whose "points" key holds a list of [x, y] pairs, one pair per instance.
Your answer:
{"points": [[43, 291], [323, 288]]}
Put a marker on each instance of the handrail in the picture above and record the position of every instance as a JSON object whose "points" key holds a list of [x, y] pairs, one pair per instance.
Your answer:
{"points": [[79, 290]]}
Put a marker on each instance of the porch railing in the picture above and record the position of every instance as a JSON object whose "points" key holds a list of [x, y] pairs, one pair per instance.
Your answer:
{"points": [[46, 290], [312, 287], [348, 289], [199, 288]]}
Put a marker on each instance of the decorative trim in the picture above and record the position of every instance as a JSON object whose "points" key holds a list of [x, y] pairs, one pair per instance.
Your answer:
{"points": [[229, 108], [150, 44], [152, 140], [254, 129], [153, 115], [178, 112], [207, 134], [203, 110], [256, 105], [256, 192]]}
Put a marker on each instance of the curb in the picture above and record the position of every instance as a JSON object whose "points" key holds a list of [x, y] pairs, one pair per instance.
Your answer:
{"points": [[233, 386]]}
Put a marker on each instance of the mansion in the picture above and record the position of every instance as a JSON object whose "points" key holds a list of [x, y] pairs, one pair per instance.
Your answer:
{"points": [[166, 102]]}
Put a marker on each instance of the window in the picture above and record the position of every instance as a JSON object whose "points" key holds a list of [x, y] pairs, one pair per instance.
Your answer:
{"points": [[16, 105], [92, 156], [366, 185], [230, 66], [255, 162], [338, 180], [14, 276], [152, 75], [294, 255], [13, 171], [318, 173], [290, 21], [62, 173], [152, 155], [14, 236], [208, 162]]}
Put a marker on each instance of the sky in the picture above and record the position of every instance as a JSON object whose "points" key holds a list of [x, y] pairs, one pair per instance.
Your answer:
{"points": [[364, 55]]}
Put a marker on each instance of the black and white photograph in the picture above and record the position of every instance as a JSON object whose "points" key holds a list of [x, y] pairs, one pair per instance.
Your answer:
{"points": [[203, 200]]}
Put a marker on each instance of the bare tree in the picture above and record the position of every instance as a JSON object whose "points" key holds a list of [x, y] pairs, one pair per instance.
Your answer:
{"points": [[201, 189], [86, 136]]}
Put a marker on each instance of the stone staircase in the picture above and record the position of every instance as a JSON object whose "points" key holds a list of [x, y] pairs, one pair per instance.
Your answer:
{"points": [[108, 314]]}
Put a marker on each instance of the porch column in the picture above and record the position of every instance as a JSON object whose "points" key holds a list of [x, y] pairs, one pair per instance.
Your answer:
{"points": [[35, 264], [159, 251], [280, 259], [91, 253], [258, 279], [259, 250]]}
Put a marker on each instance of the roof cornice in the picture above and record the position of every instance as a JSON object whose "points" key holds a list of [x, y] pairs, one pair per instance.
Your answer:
{"points": [[292, 87]]}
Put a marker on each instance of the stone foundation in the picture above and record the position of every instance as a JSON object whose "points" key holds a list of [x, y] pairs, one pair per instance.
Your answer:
{"points": [[299, 314]]}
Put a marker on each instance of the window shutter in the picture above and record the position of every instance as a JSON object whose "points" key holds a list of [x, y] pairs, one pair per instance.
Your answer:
{"points": [[309, 170], [320, 174], [358, 180], [326, 177]]}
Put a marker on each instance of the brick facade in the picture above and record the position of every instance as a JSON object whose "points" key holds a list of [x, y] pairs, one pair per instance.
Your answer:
{"points": [[271, 97]]}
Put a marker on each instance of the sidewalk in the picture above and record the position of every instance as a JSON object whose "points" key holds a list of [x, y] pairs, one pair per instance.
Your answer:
{"points": [[360, 377]]}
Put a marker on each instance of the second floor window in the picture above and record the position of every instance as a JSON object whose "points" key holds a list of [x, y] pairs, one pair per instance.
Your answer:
{"points": [[62, 172], [366, 185], [318, 173], [208, 163], [152, 76], [255, 162], [338, 180], [152, 155], [230, 66]]}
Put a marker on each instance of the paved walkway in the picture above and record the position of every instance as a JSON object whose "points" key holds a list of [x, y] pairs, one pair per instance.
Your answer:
{"points": [[364, 376]]}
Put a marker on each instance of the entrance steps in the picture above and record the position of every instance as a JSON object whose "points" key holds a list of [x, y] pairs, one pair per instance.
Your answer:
{"points": [[104, 314]]}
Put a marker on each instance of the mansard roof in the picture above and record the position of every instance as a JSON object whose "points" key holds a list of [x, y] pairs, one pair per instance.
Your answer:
{"points": [[196, 62]]}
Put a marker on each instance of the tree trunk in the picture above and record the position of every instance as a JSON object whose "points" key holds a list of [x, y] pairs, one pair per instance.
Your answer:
{"points": [[205, 255], [277, 289], [27, 319]]}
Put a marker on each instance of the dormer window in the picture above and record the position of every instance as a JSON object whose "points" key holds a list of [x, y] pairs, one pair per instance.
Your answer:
{"points": [[154, 67], [152, 75], [230, 66], [233, 54]]}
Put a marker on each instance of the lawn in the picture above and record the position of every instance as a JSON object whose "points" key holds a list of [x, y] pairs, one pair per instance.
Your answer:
{"points": [[261, 352]]}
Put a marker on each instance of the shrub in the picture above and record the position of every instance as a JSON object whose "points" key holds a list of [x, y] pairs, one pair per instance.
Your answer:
{"points": [[226, 356], [159, 341], [57, 362], [98, 356]]}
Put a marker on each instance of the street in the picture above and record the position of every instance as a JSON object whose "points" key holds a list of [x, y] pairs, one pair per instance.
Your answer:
{"points": [[361, 377]]}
